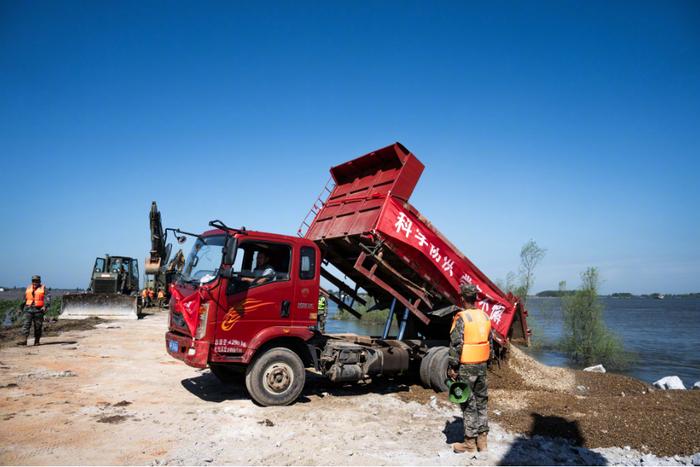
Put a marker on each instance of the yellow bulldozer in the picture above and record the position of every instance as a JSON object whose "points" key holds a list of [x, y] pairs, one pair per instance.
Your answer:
{"points": [[112, 294]]}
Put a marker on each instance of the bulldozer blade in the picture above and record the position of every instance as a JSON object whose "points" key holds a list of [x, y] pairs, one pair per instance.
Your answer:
{"points": [[105, 306]]}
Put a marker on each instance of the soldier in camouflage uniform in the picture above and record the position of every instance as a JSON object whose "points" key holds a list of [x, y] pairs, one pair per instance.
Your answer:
{"points": [[467, 363], [322, 313], [34, 306]]}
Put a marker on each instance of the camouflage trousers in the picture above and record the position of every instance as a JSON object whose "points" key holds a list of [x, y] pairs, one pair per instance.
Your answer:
{"points": [[36, 316], [322, 320], [475, 410]]}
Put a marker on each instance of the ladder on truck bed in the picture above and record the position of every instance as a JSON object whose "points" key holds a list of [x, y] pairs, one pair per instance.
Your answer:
{"points": [[317, 206]]}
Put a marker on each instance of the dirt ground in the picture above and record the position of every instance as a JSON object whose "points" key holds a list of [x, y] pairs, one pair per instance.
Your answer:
{"points": [[11, 335], [112, 395]]}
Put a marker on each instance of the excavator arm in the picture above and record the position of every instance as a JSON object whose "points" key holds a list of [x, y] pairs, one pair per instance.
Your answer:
{"points": [[159, 250]]}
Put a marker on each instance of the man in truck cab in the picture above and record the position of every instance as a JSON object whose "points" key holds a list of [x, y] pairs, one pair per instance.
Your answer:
{"points": [[469, 351], [263, 271]]}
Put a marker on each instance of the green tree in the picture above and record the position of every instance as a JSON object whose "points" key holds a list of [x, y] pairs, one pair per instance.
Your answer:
{"points": [[586, 339], [530, 256]]}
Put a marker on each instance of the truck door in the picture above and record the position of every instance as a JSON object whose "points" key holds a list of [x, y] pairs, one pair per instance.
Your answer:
{"points": [[259, 296], [306, 296]]}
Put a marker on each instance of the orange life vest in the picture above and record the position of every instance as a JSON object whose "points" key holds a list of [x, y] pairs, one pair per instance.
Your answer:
{"points": [[161, 294], [144, 293], [34, 297], [477, 327]]}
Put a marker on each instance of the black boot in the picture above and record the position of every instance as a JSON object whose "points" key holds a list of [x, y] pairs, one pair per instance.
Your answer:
{"points": [[36, 341]]}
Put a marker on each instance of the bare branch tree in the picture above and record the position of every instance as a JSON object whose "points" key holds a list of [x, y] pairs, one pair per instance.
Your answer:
{"points": [[530, 256]]}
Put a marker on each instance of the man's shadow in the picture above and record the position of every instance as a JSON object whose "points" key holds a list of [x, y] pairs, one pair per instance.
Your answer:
{"points": [[550, 441], [57, 343]]}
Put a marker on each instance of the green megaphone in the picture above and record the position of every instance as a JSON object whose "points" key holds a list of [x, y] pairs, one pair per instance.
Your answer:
{"points": [[458, 392]]}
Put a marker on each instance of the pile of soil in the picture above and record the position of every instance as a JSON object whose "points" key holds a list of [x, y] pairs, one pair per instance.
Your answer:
{"points": [[593, 409], [12, 334]]}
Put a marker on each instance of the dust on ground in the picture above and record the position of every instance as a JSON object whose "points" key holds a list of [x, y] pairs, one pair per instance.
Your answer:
{"points": [[112, 395]]}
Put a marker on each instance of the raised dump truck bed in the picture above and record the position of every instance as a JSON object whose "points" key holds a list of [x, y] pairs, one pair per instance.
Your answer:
{"points": [[367, 229]]}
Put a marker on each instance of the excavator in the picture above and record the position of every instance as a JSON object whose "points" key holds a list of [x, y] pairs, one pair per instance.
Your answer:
{"points": [[158, 263], [114, 284]]}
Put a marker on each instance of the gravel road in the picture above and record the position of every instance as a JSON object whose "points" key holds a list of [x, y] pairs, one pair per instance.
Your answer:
{"points": [[112, 395]]}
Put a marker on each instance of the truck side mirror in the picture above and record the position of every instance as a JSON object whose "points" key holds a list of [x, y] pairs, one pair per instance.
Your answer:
{"points": [[229, 274], [229, 251]]}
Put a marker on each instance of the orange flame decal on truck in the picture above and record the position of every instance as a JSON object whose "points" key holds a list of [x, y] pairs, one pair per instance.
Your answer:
{"points": [[238, 309]]}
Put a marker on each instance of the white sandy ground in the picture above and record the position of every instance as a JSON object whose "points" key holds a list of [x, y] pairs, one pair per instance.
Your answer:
{"points": [[57, 400]]}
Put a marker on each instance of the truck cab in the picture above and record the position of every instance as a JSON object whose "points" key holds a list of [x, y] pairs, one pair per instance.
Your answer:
{"points": [[252, 291]]}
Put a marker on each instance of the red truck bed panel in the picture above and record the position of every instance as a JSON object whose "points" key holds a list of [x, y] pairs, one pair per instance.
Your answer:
{"points": [[367, 215]]}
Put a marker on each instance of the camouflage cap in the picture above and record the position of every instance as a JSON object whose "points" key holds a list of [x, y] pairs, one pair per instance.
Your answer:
{"points": [[468, 290], [36, 278]]}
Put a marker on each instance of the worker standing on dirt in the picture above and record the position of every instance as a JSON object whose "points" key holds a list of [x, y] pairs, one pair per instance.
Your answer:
{"points": [[161, 298], [151, 296], [34, 306], [322, 313], [469, 352]]}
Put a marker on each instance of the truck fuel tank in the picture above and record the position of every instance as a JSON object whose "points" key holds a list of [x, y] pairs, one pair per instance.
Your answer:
{"points": [[343, 361]]}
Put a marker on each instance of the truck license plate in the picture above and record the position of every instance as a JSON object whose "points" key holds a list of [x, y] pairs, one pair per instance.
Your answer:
{"points": [[173, 346]]}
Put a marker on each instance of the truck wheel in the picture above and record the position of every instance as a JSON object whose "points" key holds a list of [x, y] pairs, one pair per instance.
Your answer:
{"points": [[438, 369], [276, 378], [424, 370], [227, 373]]}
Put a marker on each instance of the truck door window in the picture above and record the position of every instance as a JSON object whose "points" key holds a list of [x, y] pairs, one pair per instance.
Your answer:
{"points": [[307, 265], [260, 263], [100, 265]]}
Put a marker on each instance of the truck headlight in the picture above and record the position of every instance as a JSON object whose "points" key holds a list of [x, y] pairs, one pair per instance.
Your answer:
{"points": [[202, 324]]}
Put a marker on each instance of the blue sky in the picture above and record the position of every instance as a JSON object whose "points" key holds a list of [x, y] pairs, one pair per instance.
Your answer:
{"points": [[576, 124]]}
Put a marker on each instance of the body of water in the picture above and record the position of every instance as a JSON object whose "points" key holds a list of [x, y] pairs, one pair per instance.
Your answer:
{"points": [[663, 335]]}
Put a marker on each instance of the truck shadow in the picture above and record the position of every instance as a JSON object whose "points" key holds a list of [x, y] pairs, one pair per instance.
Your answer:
{"points": [[320, 386], [550, 441], [209, 388]]}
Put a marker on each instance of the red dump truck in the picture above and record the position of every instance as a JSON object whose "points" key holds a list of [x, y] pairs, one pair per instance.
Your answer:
{"points": [[246, 302]]}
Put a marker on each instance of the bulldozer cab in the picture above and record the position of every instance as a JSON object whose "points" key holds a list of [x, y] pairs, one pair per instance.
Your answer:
{"points": [[115, 274]]}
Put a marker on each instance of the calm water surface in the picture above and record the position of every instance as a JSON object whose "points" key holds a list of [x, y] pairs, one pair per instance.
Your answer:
{"points": [[663, 334]]}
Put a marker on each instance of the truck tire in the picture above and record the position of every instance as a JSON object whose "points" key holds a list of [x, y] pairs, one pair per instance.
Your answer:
{"points": [[438, 369], [277, 377], [227, 373], [424, 370]]}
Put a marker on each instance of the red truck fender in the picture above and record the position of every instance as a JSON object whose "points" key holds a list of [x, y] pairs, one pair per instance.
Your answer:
{"points": [[285, 334]]}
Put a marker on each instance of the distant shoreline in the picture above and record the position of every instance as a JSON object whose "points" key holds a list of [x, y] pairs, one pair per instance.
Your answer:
{"points": [[622, 295]]}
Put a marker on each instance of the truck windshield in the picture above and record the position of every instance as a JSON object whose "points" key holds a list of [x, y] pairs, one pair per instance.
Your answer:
{"points": [[204, 260]]}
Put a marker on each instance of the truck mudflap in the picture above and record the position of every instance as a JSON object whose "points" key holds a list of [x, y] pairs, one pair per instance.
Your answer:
{"points": [[192, 352]]}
